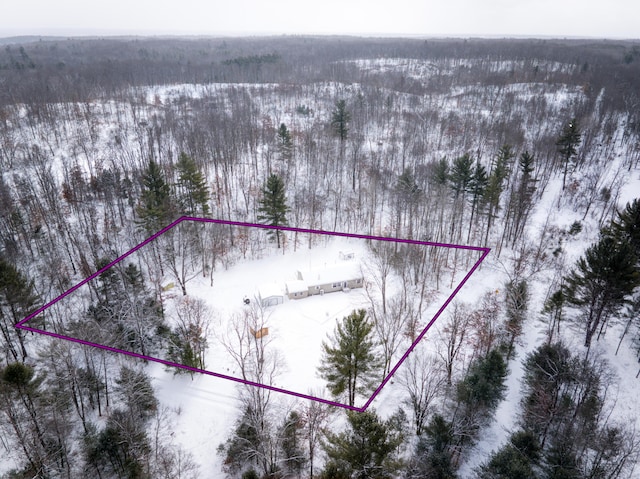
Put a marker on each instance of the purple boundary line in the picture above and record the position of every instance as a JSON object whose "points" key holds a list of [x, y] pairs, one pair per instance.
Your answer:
{"points": [[335, 233], [21, 324], [188, 368], [424, 331]]}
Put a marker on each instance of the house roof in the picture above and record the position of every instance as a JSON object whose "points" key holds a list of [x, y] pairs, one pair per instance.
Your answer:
{"points": [[332, 274], [296, 286], [268, 290]]}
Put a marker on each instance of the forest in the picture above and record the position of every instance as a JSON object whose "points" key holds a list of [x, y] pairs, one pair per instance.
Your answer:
{"points": [[530, 148]]}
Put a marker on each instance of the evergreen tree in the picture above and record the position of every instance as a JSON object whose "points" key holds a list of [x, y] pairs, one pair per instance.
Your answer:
{"points": [[367, 449], [155, 210], [285, 143], [603, 278], [500, 169], [483, 386], [273, 207], [567, 146], [340, 118], [627, 226], [476, 189], [461, 176], [350, 362], [191, 188], [439, 174], [523, 200], [516, 460], [432, 456], [291, 442], [17, 300]]}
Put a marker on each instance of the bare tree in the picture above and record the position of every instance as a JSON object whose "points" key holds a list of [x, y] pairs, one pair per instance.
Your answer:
{"points": [[424, 380], [452, 337]]}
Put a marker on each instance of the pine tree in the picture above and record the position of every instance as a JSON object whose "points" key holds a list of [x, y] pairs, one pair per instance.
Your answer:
{"points": [[340, 118], [349, 363], [523, 200], [291, 444], [432, 457], [515, 460], [476, 189], [191, 188], [285, 144], [155, 209], [273, 207], [483, 386], [603, 277], [627, 226], [367, 449], [461, 176], [17, 300], [500, 169], [567, 146]]}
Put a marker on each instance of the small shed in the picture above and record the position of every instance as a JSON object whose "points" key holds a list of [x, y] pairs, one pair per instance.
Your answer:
{"points": [[260, 333], [270, 294]]}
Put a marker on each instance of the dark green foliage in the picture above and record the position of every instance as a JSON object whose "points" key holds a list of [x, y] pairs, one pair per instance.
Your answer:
{"points": [[603, 277], [285, 143], [155, 210], [119, 449], [407, 187], [250, 474], [17, 300], [291, 442], [191, 189], [303, 110], [516, 460], [367, 449], [134, 387], [17, 375], [627, 226], [500, 169], [240, 449], [575, 228], [548, 374], [483, 386], [432, 456], [340, 118], [350, 361], [273, 207], [478, 183], [561, 461], [439, 173], [461, 176], [567, 144]]}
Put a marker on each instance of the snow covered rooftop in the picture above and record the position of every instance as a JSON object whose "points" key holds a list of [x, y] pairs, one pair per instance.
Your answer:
{"points": [[268, 290], [296, 286], [332, 274]]}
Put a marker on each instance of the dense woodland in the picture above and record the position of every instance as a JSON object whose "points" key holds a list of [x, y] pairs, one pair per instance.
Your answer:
{"points": [[528, 147]]}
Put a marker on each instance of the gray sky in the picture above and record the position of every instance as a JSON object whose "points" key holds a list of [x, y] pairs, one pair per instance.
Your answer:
{"points": [[559, 18]]}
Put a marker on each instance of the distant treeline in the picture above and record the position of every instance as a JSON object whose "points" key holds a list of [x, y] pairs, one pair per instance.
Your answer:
{"points": [[80, 69]]}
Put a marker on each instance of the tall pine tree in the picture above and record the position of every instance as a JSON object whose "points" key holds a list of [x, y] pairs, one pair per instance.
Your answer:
{"points": [[273, 207], [568, 146], [155, 210], [191, 188], [350, 361], [602, 279], [367, 449]]}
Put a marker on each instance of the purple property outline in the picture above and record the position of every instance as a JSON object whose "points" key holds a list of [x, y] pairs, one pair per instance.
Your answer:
{"points": [[485, 252]]}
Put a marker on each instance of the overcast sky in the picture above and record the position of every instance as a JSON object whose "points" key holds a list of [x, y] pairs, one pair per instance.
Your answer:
{"points": [[559, 18]]}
